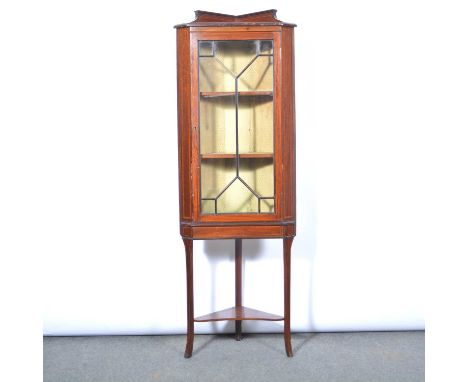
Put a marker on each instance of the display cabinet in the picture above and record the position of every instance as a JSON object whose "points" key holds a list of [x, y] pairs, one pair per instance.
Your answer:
{"points": [[236, 131]]}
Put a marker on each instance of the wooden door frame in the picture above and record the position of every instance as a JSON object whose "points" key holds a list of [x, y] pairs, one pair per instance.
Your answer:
{"points": [[250, 34]]}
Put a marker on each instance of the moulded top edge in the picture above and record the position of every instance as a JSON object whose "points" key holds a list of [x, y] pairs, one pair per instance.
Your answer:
{"points": [[262, 18]]}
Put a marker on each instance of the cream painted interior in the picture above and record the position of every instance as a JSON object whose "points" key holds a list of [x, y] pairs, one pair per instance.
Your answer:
{"points": [[218, 126], [216, 174]]}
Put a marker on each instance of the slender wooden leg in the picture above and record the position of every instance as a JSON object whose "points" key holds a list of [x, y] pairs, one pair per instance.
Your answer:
{"points": [[287, 243], [190, 323], [238, 262]]}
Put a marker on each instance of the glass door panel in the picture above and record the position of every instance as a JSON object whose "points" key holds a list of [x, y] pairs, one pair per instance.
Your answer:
{"points": [[236, 118]]}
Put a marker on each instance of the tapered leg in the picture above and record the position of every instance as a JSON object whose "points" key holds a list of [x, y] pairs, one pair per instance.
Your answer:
{"points": [[190, 323], [238, 262], [287, 243]]}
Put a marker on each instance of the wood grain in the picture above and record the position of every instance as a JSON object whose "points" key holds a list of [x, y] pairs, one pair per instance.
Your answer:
{"points": [[238, 286], [241, 94], [262, 18], [282, 223], [190, 321], [239, 313], [232, 156]]}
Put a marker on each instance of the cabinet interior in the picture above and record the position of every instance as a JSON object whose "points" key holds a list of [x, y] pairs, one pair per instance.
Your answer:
{"points": [[236, 124]]}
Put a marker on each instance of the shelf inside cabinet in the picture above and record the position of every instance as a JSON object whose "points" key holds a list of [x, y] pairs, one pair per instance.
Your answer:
{"points": [[239, 313], [241, 94], [232, 156]]}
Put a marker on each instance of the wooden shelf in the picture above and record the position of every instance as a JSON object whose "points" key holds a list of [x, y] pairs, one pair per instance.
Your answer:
{"points": [[239, 313], [241, 94], [232, 156]]}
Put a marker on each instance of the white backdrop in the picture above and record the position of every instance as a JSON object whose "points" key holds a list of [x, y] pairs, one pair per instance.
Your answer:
{"points": [[114, 262]]}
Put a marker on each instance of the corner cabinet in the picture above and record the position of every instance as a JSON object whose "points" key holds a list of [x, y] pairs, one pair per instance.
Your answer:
{"points": [[235, 84]]}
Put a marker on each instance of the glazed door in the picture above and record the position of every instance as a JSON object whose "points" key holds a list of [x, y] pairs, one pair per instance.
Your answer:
{"points": [[236, 157]]}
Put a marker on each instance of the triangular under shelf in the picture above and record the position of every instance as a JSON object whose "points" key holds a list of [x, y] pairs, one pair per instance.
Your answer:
{"points": [[239, 313]]}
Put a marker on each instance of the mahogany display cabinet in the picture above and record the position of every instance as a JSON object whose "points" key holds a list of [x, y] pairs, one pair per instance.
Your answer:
{"points": [[236, 135]]}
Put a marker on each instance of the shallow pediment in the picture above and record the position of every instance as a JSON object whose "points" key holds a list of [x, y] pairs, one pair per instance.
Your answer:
{"points": [[205, 18]]}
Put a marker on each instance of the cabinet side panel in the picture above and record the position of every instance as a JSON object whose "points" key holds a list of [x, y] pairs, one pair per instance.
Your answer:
{"points": [[288, 124], [184, 122]]}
